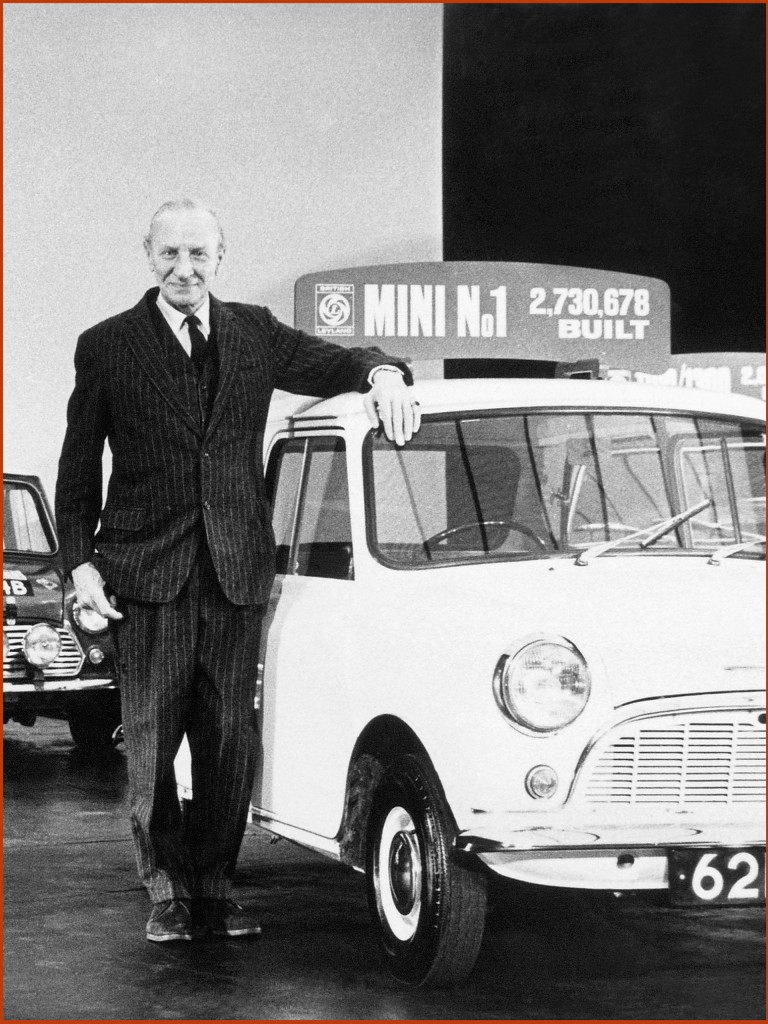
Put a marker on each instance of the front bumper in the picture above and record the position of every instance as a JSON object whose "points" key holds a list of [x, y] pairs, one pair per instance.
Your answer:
{"points": [[15, 688], [562, 850]]}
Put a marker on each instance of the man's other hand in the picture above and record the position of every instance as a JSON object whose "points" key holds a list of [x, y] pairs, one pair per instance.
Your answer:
{"points": [[392, 403], [89, 587]]}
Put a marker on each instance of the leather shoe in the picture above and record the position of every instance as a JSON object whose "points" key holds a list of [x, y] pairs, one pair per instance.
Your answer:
{"points": [[225, 917], [170, 921]]}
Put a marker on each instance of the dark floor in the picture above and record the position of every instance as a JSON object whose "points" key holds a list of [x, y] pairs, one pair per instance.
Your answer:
{"points": [[75, 946]]}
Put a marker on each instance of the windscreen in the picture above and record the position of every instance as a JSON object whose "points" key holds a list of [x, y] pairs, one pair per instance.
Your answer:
{"points": [[499, 487]]}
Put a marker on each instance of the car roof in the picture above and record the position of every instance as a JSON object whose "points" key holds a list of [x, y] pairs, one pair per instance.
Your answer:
{"points": [[479, 394], [24, 478]]}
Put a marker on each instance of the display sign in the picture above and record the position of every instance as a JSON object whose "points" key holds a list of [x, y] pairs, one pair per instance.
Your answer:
{"points": [[739, 372], [427, 311]]}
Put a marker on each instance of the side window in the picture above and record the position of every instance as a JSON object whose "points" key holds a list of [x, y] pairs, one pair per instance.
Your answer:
{"points": [[310, 498], [25, 526], [324, 537], [283, 480]]}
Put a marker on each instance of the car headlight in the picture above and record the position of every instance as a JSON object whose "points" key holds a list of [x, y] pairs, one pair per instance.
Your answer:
{"points": [[41, 645], [544, 686], [89, 620]]}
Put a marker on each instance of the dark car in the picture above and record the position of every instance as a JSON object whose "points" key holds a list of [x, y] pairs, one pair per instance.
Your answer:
{"points": [[58, 660]]}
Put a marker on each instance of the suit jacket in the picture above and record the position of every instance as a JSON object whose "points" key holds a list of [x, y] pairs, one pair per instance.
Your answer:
{"points": [[174, 479]]}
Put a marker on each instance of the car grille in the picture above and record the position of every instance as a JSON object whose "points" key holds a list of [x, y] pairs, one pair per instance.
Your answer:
{"points": [[68, 663], [709, 758]]}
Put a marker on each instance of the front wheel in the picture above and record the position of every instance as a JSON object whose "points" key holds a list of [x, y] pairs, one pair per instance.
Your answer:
{"points": [[94, 719], [430, 907]]}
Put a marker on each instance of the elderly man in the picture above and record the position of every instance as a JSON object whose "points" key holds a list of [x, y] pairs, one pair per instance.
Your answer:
{"points": [[180, 558]]}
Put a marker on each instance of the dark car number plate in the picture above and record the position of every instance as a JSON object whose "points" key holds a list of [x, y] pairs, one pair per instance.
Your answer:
{"points": [[699, 877], [17, 588]]}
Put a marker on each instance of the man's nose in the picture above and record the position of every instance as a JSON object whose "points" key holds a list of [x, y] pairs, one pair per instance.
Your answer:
{"points": [[183, 267]]}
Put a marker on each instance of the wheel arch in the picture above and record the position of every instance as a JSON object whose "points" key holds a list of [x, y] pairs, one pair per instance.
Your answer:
{"points": [[383, 740]]}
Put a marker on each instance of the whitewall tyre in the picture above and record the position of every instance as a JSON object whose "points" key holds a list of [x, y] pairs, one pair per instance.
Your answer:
{"points": [[430, 906]]}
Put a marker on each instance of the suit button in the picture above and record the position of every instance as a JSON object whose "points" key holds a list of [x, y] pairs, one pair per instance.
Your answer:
{"points": [[206, 455], [207, 506]]}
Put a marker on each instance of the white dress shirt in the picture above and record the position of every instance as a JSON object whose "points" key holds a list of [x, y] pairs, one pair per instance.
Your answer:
{"points": [[175, 319]]}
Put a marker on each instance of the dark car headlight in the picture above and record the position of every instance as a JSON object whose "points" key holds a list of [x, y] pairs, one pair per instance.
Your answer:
{"points": [[89, 620], [41, 645]]}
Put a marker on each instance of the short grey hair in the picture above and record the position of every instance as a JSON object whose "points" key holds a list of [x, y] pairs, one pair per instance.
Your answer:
{"points": [[183, 204]]}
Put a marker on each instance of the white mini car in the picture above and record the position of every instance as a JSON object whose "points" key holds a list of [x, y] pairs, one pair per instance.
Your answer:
{"points": [[527, 643]]}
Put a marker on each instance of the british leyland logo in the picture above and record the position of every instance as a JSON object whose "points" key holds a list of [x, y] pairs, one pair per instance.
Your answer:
{"points": [[335, 310]]}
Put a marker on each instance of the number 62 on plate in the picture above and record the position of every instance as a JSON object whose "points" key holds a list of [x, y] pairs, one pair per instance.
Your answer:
{"points": [[717, 876]]}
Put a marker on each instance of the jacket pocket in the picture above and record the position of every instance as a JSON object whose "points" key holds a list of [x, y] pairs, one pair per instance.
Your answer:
{"points": [[123, 518]]}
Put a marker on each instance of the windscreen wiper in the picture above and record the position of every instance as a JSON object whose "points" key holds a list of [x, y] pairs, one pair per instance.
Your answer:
{"points": [[650, 533], [732, 549]]}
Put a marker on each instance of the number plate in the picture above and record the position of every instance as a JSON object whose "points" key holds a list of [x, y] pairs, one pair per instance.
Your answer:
{"points": [[17, 588], [699, 877]]}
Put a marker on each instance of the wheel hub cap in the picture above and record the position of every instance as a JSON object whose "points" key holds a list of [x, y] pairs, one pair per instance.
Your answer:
{"points": [[401, 872], [398, 875]]}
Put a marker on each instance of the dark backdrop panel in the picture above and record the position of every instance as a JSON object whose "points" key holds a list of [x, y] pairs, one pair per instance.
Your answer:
{"points": [[617, 136]]}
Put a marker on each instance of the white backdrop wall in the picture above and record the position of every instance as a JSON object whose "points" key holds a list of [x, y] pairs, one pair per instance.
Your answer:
{"points": [[313, 129]]}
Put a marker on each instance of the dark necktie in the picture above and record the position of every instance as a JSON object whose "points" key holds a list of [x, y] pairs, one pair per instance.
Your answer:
{"points": [[197, 338]]}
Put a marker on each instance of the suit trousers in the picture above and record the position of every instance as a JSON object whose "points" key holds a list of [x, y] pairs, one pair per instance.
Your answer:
{"points": [[189, 665]]}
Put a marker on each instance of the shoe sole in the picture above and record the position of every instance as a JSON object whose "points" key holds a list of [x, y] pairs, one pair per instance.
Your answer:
{"points": [[236, 933], [184, 937]]}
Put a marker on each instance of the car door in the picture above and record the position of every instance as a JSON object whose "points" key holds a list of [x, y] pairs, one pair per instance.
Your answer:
{"points": [[308, 641]]}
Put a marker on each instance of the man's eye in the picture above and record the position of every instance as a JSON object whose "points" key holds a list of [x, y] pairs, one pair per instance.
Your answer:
{"points": [[199, 255]]}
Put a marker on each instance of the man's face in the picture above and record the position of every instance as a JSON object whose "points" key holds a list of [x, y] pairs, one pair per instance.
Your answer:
{"points": [[184, 256]]}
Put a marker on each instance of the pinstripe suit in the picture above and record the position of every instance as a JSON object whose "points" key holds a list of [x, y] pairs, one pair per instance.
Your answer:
{"points": [[185, 542]]}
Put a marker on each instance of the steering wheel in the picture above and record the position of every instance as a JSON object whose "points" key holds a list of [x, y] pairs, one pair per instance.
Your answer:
{"points": [[716, 527], [508, 524]]}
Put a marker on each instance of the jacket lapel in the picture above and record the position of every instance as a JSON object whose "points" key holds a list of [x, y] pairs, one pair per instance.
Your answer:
{"points": [[228, 343], [140, 335]]}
